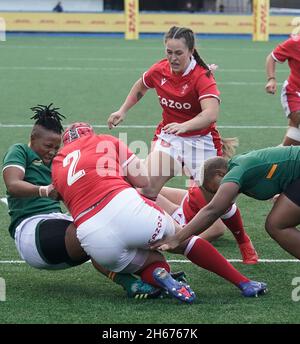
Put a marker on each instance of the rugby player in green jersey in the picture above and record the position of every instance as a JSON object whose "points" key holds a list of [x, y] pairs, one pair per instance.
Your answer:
{"points": [[45, 237], [261, 175]]}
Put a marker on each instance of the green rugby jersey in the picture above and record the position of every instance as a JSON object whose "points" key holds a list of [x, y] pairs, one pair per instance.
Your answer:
{"points": [[37, 173], [263, 173]]}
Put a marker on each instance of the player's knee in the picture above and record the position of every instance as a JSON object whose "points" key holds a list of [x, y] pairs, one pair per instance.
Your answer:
{"points": [[271, 227], [294, 118], [293, 133]]}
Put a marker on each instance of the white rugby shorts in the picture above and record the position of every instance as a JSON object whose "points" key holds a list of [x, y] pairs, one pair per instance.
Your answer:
{"points": [[25, 240], [119, 235], [190, 152]]}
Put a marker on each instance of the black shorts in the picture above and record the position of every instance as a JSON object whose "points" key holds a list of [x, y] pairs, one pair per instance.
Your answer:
{"points": [[292, 192], [50, 241]]}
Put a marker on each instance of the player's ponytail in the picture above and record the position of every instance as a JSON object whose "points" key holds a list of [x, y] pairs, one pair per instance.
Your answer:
{"points": [[229, 145], [200, 62]]}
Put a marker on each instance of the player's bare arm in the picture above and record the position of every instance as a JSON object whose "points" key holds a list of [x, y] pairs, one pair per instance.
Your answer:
{"points": [[208, 115], [16, 185], [222, 200], [271, 85], [136, 93]]}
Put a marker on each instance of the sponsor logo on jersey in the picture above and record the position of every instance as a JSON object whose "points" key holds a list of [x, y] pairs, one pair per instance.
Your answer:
{"points": [[184, 88], [164, 143], [37, 162], [163, 81], [170, 103], [157, 229]]}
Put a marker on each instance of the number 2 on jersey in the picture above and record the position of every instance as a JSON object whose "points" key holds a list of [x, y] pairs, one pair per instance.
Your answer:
{"points": [[72, 175]]}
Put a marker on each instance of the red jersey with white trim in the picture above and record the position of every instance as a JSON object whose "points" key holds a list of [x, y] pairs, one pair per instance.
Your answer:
{"points": [[90, 169], [180, 94], [193, 202], [290, 50]]}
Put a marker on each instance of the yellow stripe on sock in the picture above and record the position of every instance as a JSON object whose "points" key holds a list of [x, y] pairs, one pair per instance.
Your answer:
{"points": [[141, 296], [272, 171]]}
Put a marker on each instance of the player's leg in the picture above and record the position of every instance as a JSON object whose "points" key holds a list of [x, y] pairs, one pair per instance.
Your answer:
{"points": [[163, 163], [290, 101], [118, 237], [284, 217], [234, 222], [156, 271], [214, 232], [133, 286], [174, 195], [43, 246], [161, 168], [51, 244], [203, 254], [166, 204], [292, 136]]}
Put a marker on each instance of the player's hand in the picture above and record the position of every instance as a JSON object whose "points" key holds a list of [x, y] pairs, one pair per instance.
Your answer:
{"points": [[271, 86], [55, 195], [48, 191], [115, 118], [166, 244], [175, 128]]}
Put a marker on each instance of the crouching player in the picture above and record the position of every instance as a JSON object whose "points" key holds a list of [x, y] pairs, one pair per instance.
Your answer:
{"points": [[183, 205]]}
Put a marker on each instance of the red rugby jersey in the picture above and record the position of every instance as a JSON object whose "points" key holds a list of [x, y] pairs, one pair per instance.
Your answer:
{"points": [[193, 202], [90, 169], [290, 50], [180, 94]]}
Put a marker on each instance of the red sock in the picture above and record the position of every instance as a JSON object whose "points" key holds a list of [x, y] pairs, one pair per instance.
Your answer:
{"points": [[235, 224], [146, 274], [203, 254]]}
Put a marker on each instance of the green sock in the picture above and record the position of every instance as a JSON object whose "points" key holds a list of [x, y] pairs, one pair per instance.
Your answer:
{"points": [[125, 280]]}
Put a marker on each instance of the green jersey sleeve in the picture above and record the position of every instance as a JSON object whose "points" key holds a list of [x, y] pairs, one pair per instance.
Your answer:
{"points": [[15, 156]]}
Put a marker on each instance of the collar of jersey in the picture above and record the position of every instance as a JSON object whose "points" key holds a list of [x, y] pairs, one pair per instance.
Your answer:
{"points": [[190, 67]]}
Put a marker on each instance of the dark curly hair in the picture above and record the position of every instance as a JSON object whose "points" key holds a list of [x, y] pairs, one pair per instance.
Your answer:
{"points": [[47, 117]]}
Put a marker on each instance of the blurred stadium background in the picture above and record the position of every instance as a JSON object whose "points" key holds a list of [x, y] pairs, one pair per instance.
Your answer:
{"points": [[79, 59], [203, 16]]}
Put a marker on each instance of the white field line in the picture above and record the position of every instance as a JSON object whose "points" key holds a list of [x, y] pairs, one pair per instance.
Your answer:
{"points": [[72, 69], [110, 59], [2, 125], [121, 59], [184, 261], [124, 70]]}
